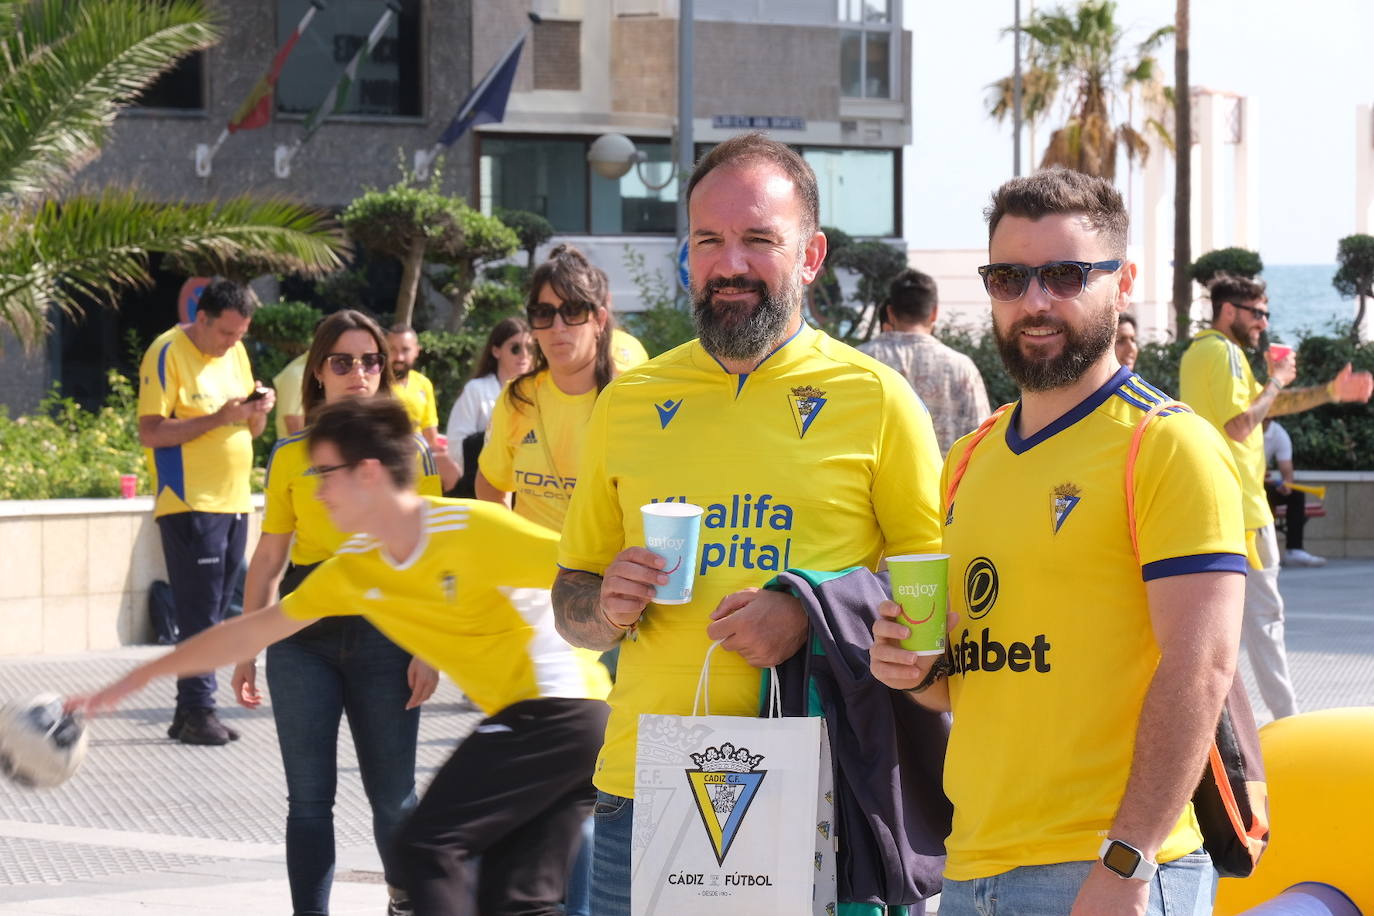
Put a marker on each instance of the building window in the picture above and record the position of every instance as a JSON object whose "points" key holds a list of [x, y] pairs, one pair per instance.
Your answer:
{"points": [[181, 88], [866, 58], [388, 80], [857, 188], [551, 177]]}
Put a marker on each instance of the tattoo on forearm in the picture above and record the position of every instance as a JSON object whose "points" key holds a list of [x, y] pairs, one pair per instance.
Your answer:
{"points": [[1296, 400], [577, 611]]}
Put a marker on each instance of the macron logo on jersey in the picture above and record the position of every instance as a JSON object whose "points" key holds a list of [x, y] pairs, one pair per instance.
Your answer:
{"points": [[529, 439], [666, 411]]}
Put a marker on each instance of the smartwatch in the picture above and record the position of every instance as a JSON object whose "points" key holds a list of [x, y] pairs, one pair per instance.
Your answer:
{"points": [[1126, 861]]}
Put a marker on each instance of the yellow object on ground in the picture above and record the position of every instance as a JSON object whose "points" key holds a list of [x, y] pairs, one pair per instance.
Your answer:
{"points": [[1318, 766]]}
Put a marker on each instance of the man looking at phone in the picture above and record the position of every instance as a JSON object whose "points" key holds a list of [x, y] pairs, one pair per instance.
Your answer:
{"points": [[1216, 381], [199, 410]]}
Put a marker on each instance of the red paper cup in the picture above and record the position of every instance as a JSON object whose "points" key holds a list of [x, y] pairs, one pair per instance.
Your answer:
{"points": [[442, 442], [1278, 352], [128, 485]]}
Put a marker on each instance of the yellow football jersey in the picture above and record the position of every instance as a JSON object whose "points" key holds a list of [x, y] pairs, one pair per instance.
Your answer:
{"points": [[1054, 650], [417, 393], [287, 383], [209, 473], [292, 508], [516, 459], [821, 458], [472, 600], [626, 350], [1214, 379]]}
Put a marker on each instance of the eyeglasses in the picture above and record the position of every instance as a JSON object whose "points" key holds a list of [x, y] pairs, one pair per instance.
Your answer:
{"points": [[541, 314], [1058, 279], [343, 363], [319, 470], [1253, 310]]}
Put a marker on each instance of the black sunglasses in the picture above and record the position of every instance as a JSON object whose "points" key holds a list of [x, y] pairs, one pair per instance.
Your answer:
{"points": [[540, 315], [520, 349], [1058, 279], [1253, 310], [343, 363], [319, 470]]}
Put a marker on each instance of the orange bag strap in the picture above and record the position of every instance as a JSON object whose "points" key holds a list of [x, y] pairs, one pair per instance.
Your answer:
{"points": [[978, 436], [1131, 456]]}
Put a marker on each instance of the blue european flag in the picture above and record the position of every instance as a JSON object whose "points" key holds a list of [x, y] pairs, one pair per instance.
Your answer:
{"points": [[486, 104]]}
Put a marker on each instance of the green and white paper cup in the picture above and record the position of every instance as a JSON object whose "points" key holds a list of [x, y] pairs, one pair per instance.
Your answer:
{"points": [[672, 531], [920, 584]]}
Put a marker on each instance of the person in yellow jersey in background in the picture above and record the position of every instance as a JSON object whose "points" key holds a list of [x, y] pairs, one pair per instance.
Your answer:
{"points": [[290, 415], [413, 389], [626, 349], [1215, 379], [1085, 676], [341, 664], [464, 585], [802, 451], [198, 411], [535, 439]]}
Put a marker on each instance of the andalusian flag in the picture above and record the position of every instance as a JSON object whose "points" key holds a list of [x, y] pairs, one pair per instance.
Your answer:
{"points": [[338, 96], [256, 110]]}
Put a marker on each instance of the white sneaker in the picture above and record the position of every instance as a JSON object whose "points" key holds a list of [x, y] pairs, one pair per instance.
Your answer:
{"points": [[1302, 558]]}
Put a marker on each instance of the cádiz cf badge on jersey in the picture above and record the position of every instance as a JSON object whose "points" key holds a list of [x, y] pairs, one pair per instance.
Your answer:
{"points": [[1063, 500], [450, 585], [805, 402]]}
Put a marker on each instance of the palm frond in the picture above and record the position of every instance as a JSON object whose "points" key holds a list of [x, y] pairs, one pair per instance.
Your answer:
{"points": [[65, 254], [66, 66]]}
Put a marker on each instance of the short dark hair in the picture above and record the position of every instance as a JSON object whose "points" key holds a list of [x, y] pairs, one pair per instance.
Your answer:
{"points": [[1051, 192], [1126, 318], [366, 428], [911, 297], [226, 294], [1233, 288], [400, 327], [756, 147], [327, 335]]}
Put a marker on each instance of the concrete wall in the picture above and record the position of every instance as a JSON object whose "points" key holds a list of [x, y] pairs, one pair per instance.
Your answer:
{"points": [[75, 573], [1347, 530]]}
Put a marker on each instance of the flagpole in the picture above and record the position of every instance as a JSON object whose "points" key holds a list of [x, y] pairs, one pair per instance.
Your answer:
{"points": [[282, 159], [205, 155], [424, 159]]}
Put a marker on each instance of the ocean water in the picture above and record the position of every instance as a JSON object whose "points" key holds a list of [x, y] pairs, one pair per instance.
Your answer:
{"points": [[1302, 299]]}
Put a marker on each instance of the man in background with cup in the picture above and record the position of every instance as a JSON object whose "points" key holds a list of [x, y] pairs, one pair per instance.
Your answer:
{"points": [[800, 451], [1216, 381], [1085, 672]]}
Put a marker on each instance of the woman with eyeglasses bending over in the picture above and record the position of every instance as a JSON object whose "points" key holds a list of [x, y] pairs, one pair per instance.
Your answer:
{"points": [[536, 426], [339, 664]]}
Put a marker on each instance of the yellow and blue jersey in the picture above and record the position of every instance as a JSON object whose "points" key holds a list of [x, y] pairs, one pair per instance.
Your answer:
{"points": [[292, 507], [821, 458], [210, 472], [417, 394], [1054, 649], [1214, 378], [472, 600]]}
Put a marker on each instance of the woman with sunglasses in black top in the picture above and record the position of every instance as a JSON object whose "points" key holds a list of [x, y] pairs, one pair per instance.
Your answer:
{"points": [[339, 664]]}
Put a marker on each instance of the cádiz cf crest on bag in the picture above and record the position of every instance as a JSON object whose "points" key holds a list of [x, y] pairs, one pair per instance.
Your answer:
{"points": [[723, 785]]}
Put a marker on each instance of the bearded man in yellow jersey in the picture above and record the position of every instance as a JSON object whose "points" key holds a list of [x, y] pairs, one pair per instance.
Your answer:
{"points": [[1214, 377], [196, 416], [414, 389], [464, 585], [1085, 675], [803, 452]]}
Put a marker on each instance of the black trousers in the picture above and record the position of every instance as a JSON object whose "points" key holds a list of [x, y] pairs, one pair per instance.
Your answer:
{"points": [[514, 794], [1296, 500]]}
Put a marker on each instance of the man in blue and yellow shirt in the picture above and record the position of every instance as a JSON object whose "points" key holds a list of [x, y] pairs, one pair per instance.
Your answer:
{"points": [[196, 416], [803, 452], [1097, 628]]}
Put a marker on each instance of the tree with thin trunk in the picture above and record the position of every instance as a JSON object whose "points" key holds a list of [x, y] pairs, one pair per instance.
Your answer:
{"points": [[1355, 275], [1183, 177], [67, 67]]}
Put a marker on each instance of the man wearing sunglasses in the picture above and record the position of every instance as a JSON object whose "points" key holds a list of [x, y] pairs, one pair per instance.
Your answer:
{"points": [[1089, 658], [1216, 381], [198, 418]]}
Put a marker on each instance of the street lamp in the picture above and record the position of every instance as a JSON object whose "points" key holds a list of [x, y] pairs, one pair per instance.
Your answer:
{"points": [[613, 155]]}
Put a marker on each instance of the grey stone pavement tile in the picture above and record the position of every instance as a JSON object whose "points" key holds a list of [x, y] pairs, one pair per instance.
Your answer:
{"points": [[151, 826]]}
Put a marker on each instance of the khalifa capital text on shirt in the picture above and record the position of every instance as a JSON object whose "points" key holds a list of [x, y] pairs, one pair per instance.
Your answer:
{"points": [[731, 536]]}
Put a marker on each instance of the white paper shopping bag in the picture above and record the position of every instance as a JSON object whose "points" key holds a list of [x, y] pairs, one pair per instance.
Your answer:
{"points": [[733, 816]]}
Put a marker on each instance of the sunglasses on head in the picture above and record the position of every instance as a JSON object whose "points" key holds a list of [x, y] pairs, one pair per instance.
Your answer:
{"points": [[343, 363], [1058, 279], [540, 315]]}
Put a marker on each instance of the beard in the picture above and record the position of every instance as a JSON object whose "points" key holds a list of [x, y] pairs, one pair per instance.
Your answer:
{"points": [[399, 370], [1245, 333], [1082, 348], [737, 332]]}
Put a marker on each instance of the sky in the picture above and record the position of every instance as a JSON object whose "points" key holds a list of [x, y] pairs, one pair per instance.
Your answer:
{"points": [[1303, 63]]}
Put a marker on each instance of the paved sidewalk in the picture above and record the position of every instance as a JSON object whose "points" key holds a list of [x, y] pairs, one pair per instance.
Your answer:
{"points": [[151, 826]]}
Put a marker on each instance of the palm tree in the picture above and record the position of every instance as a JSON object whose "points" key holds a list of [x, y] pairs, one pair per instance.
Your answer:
{"points": [[66, 67], [1075, 63]]}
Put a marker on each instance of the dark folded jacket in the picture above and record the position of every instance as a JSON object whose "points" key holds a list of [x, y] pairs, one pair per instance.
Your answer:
{"points": [[889, 752]]}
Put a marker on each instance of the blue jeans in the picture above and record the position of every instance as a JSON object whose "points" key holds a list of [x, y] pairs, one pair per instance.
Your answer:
{"points": [[579, 899], [1182, 887], [614, 822], [340, 665]]}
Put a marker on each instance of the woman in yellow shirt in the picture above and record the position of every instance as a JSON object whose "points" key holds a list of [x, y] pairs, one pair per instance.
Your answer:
{"points": [[340, 664], [536, 426]]}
